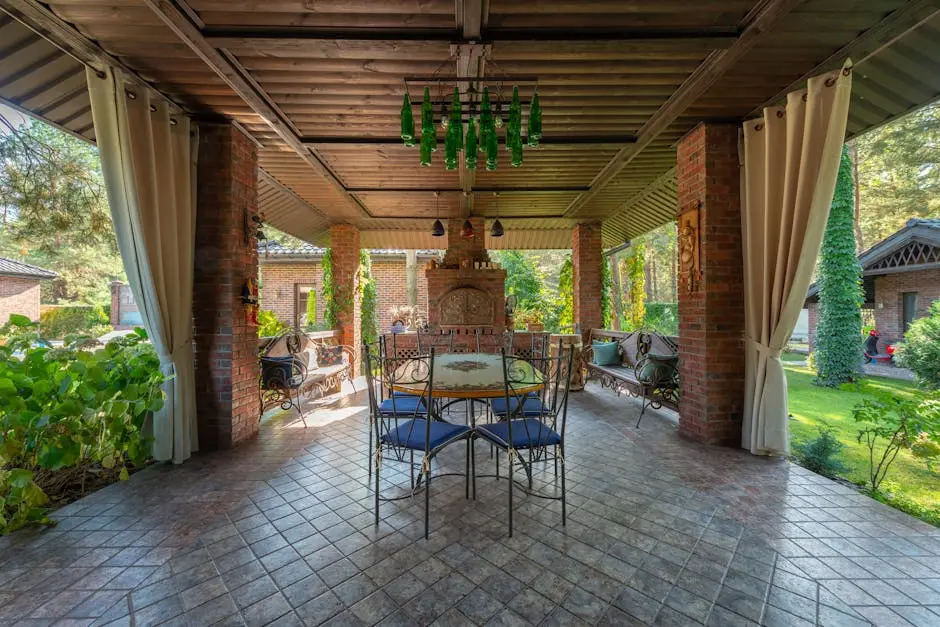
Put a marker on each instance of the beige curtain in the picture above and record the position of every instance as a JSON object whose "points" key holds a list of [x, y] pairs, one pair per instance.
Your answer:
{"points": [[148, 156], [791, 159]]}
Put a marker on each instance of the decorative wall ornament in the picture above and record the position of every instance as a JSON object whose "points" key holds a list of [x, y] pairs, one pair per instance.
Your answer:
{"points": [[689, 268], [466, 306]]}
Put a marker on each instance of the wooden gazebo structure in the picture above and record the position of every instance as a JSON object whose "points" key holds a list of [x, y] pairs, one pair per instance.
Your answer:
{"points": [[310, 95]]}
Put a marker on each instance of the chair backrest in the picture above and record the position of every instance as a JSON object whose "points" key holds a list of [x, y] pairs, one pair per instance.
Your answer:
{"points": [[443, 342], [417, 373], [553, 373], [491, 342]]}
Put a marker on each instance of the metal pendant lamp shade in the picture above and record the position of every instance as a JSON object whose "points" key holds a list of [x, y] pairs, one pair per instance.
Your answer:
{"points": [[497, 229], [467, 230], [438, 229]]}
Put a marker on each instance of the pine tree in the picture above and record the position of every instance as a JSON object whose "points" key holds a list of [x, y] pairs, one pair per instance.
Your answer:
{"points": [[839, 333]]}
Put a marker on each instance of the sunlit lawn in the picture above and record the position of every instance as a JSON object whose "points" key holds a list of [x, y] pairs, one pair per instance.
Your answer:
{"points": [[812, 407]]}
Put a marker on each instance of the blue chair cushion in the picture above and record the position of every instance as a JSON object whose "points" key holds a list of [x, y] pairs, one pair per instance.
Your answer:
{"points": [[411, 433], [532, 407], [403, 405], [404, 395], [526, 433]]}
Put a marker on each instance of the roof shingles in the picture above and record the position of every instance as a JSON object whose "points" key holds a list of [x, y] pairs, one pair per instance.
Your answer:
{"points": [[12, 268]]}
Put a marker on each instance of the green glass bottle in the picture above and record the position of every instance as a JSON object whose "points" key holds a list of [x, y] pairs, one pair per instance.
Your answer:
{"points": [[470, 150], [407, 119]]}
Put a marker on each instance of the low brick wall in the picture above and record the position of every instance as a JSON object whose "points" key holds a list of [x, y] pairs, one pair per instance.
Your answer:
{"points": [[18, 296]]}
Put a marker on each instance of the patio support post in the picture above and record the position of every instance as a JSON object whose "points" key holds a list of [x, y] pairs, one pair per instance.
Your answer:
{"points": [[226, 258], [344, 248], [711, 311], [586, 258]]}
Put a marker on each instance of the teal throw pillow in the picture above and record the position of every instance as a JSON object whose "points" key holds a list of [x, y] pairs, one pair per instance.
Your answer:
{"points": [[606, 354], [658, 369]]}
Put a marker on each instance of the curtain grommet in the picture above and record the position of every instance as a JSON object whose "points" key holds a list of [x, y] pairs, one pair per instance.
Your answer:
{"points": [[172, 121], [805, 97], [759, 127], [153, 108], [830, 81], [131, 95], [779, 114]]}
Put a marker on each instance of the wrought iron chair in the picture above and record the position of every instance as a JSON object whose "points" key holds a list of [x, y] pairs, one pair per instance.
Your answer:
{"points": [[405, 425], [282, 379], [442, 342], [534, 425], [491, 342]]}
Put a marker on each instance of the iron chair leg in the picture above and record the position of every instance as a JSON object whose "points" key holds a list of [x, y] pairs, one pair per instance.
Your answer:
{"points": [[427, 502], [646, 403], [510, 489], [300, 410], [564, 498], [467, 475]]}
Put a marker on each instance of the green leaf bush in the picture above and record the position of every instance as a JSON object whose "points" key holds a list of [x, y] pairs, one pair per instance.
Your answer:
{"points": [[269, 325], [57, 322], [920, 350], [69, 409], [821, 454]]}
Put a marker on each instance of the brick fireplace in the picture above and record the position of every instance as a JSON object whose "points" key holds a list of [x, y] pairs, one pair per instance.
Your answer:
{"points": [[461, 296]]}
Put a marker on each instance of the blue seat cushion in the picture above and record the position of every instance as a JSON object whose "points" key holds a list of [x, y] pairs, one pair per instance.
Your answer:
{"points": [[531, 407], [526, 433], [402, 405], [411, 433]]}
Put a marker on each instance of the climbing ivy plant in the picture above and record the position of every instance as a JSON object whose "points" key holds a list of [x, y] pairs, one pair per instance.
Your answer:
{"points": [[566, 294], [369, 324], [636, 275], [330, 312], [607, 284], [838, 345]]}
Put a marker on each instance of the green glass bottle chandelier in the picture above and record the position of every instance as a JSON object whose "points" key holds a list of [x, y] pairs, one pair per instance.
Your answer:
{"points": [[484, 125]]}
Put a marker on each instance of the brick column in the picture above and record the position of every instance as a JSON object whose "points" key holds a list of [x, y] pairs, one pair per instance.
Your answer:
{"points": [[586, 258], [344, 248], [226, 341], [711, 319]]}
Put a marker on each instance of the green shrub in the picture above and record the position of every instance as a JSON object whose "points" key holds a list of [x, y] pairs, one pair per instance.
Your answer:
{"points": [[311, 314], [57, 322], [891, 494], [369, 303], [821, 454], [889, 424], [920, 350], [269, 324], [662, 318], [70, 408]]}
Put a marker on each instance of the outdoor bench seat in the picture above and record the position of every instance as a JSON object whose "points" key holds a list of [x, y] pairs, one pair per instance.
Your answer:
{"points": [[648, 367], [290, 371]]}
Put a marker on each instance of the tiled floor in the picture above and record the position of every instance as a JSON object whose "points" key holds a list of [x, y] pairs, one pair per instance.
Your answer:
{"points": [[660, 530]]}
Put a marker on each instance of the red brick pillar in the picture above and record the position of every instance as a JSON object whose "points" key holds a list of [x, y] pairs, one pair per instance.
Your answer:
{"points": [[711, 318], [344, 248], [226, 341], [586, 258]]}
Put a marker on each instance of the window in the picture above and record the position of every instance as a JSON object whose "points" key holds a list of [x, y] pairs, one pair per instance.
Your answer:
{"points": [[304, 294], [908, 310]]}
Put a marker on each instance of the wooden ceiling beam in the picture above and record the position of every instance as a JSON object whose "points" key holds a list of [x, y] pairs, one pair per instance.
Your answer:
{"points": [[454, 190], [181, 22], [271, 180], [762, 20], [557, 140], [298, 36]]}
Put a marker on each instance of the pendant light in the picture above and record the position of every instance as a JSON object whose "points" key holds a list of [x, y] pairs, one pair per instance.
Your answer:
{"points": [[497, 229], [438, 229]]}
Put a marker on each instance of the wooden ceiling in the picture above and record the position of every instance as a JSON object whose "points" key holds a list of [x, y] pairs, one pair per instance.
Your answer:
{"points": [[319, 85]]}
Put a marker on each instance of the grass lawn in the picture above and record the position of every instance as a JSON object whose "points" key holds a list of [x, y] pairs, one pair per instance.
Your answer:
{"points": [[812, 407], [785, 357]]}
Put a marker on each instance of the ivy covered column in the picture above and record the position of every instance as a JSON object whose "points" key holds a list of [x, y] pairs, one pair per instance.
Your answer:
{"points": [[344, 254]]}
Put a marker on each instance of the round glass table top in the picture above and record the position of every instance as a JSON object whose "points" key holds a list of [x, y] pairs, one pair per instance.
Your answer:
{"points": [[472, 375]]}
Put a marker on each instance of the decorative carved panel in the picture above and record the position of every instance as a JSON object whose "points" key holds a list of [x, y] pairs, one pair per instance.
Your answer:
{"points": [[466, 306], [689, 269]]}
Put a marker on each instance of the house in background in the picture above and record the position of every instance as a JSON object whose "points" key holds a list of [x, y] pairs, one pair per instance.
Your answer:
{"points": [[19, 288], [901, 277], [288, 275]]}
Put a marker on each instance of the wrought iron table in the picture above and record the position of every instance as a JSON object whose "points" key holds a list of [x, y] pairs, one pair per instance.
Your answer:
{"points": [[474, 376]]}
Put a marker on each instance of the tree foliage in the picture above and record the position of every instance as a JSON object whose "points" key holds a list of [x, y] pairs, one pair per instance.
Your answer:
{"points": [[330, 310], [636, 279], [54, 211], [899, 173], [566, 294], [838, 345], [523, 278]]}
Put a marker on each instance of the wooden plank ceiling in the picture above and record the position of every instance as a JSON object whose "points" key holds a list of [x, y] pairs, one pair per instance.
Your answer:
{"points": [[319, 86]]}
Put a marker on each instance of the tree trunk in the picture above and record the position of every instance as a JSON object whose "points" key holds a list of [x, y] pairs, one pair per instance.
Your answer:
{"points": [[411, 277], [853, 155], [618, 291]]}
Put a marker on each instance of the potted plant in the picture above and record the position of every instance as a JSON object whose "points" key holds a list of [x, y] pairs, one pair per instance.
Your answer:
{"points": [[530, 317]]}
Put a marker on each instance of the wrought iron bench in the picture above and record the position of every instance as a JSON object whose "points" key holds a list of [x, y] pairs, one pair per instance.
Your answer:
{"points": [[297, 367], [647, 367]]}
